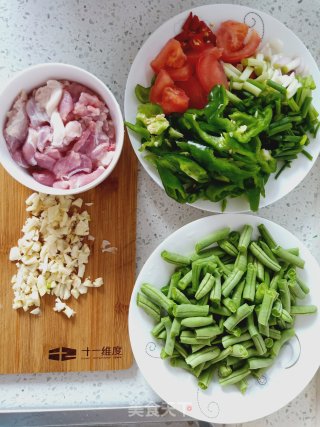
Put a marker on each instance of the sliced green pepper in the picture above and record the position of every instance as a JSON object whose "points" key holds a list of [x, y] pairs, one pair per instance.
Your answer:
{"points": [[188, 166], [171, 182], [247, 126]]}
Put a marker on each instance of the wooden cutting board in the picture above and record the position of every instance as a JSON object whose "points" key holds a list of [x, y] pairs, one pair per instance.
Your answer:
{"points": [[96, 338]]}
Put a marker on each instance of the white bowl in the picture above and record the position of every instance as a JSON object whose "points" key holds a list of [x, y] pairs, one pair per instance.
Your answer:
{"points": [[269, 28], [34, 77], [297, 363]]}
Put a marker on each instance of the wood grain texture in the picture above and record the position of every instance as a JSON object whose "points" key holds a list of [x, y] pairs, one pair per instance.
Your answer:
{"points": [[99, 330]]}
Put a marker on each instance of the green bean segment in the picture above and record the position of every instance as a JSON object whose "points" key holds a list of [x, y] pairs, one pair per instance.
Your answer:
{"points": [[197, 322], [212, 238], [229, 307]]}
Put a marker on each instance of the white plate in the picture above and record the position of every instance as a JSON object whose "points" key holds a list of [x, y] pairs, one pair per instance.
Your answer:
{"points": [[291, 372], [268, 28]]}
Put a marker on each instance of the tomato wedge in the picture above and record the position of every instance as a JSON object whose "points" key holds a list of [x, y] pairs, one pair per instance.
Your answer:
{"points": [[210, 72], [174, 100], [193, 56], [182, 73], [235, 41], [171, 55], [231, 35], [193, 89], [162, 81]]}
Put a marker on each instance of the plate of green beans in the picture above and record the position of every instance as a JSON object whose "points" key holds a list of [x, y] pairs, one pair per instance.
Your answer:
{"points": [[223, 318]]}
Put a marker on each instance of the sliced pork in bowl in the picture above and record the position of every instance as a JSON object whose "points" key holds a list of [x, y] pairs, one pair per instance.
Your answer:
{"points": [[62, 129]]}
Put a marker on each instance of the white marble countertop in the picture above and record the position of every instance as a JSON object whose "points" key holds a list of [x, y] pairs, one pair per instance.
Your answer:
{"points": [[104, 36]]}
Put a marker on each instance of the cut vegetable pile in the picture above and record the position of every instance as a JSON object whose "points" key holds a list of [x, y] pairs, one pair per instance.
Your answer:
{"points": [[229, 307], [221, 115], [52, 254]]}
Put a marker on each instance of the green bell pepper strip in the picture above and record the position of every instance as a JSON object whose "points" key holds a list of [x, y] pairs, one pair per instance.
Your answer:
{"points": [[248, 126], [188, 166], [142, 93], [172, 185], [139, 129], [218, 143], [214, 165], [218, 101]]}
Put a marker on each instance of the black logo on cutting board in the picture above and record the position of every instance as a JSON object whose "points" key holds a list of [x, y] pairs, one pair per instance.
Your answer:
{"points": [[62, 353]]}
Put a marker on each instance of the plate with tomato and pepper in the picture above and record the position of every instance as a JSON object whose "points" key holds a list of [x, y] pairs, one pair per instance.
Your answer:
{"points": [[221, 106]]}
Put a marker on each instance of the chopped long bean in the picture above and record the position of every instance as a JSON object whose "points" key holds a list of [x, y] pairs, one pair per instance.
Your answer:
{"points": [[245, 238], [258, 252], [303, 309], [202, 356], [231, 282], [243, 311], [179, 297], [197, 322], [148, 306], [157, 297], [288, 257], [173, 282], [174, 258], [269, 298], [250, 284], [205, 286], [212, 238], [267, 237], [285, 336], [206, 377], [229, 340], [235, 377]]}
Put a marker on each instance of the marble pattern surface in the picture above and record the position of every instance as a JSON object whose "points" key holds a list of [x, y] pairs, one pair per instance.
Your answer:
{"points": [[104, 36]]}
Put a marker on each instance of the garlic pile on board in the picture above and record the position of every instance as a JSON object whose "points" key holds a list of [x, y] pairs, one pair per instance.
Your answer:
{"points": [[52, 254]]}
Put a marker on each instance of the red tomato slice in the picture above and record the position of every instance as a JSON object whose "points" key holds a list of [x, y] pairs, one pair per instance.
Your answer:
{"points": [[180, 74], [193, 57], [210, 72], [162, 81], [171, 55], [231, 37], [193, 89], [174, 100]]}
